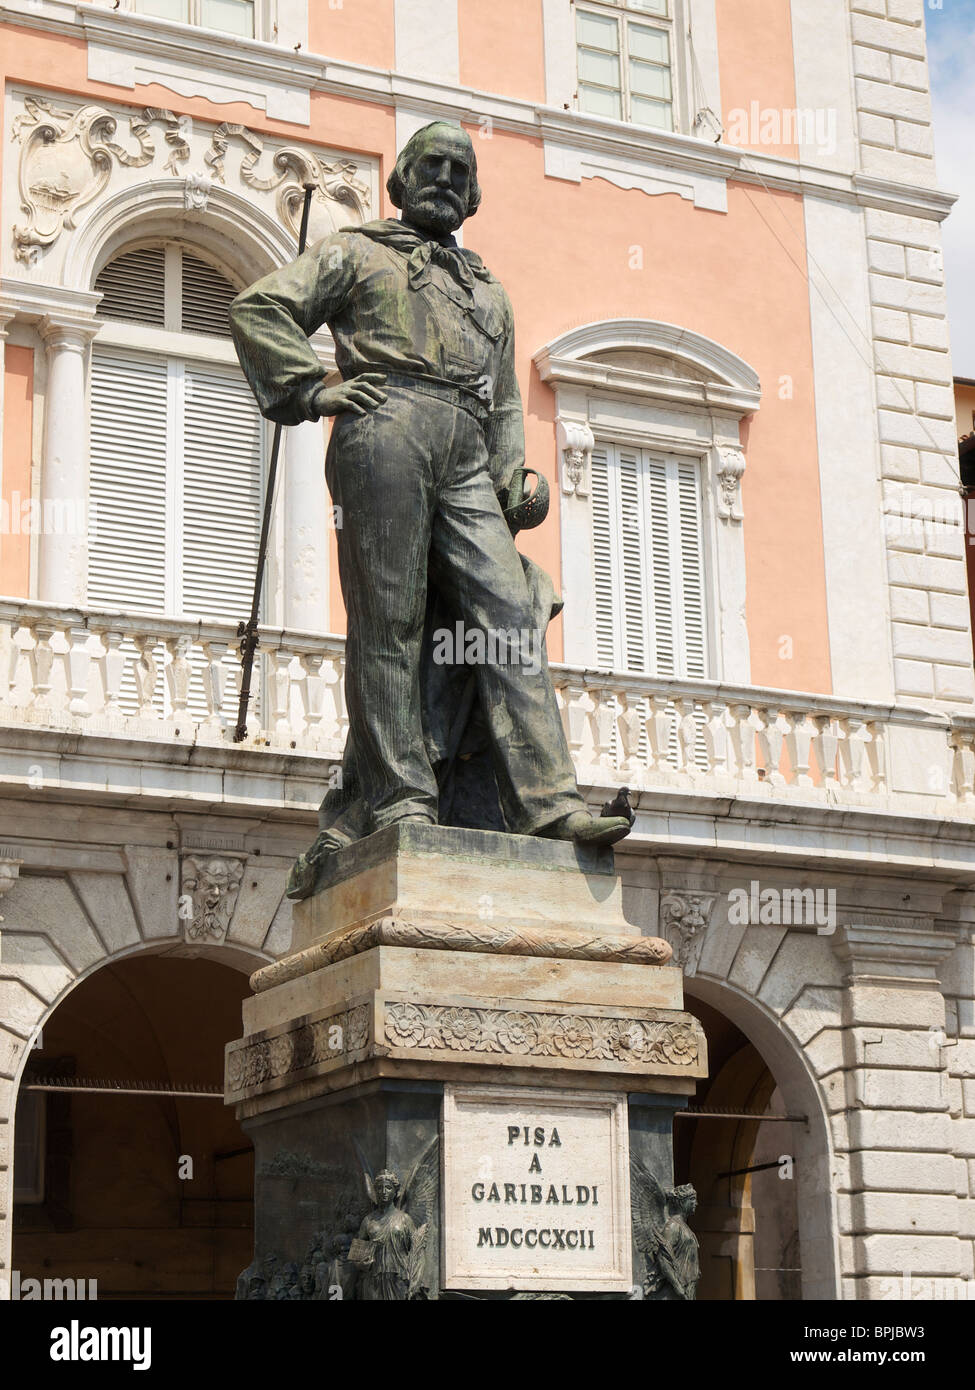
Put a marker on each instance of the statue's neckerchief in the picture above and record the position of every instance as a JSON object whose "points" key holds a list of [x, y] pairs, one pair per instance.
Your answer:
{"points": [[461, 265]]}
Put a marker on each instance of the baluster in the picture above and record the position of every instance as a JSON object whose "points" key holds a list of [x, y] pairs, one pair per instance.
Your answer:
{"points": [[877, 757], [214, 673], [686, 735], [629, 724], [799, 731], [658, 736], [313, 698], [254, 720], [335, 720], [603, 723], [771, 736], [145, 671], [852, 757], [579, 706], [963, 764], [742, 737], [42, 666], [110, 664], [178, 673], [8, 653], [716, 738], [79, 665], [826, 743], [22, 665], [280, 682]]}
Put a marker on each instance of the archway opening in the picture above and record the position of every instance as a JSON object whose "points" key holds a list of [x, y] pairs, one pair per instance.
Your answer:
{"points": [[128, 1168], [744, 1170]]}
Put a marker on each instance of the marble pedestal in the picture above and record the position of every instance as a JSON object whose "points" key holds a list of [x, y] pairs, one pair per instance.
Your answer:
{"points": [[452, 1001]]}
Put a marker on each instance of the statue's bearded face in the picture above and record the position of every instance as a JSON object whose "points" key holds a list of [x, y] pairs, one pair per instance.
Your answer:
{"points": [[437, 184]]}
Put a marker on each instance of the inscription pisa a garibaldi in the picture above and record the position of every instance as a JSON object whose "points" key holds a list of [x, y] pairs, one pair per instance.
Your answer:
{"points": [[426, 462]]}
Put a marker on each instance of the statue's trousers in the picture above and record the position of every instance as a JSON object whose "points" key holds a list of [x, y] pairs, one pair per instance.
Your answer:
{"points": [[411, 478]]}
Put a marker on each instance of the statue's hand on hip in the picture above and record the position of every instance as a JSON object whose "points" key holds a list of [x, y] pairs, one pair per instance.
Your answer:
{"points": [[359, 395]]}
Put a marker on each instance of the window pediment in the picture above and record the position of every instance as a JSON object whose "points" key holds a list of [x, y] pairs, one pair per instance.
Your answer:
{"points": [[658, 361]]}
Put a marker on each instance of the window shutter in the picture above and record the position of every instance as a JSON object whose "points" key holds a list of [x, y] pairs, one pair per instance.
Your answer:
{"points": [[132, 286], [648, 563], [660, 568], [129, 434], [602, 547], [222, 493], [632, 594], [692, 570], [206, 298]]}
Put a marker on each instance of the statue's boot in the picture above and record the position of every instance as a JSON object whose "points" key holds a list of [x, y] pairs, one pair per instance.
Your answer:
{"points": [[306, 868], [588, 830]]}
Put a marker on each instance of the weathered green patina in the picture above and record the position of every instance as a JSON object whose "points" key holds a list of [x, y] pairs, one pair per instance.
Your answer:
{"points": [[427, 447]]}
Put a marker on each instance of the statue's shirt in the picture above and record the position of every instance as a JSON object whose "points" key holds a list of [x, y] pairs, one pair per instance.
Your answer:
{"points": [[393, 301]]}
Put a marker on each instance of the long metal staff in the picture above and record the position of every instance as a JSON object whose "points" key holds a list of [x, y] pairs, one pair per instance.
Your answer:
{"points": [[247, 632]]}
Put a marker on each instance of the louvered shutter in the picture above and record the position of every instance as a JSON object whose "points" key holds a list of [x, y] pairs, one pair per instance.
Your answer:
{"points": [[128, 490], [222, 493], [602, 548], [692, 604], [648, 563], [631, 529], [132, 287], [206, 297], [176, 462], [659, 578]]}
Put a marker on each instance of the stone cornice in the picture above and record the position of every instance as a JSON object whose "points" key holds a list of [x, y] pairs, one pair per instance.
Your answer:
{"points": [[203, 51], [183, 774], [35, 302], [601, 376], [879, 949], [137, 33]]}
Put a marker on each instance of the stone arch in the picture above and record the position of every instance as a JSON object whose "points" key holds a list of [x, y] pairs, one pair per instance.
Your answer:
{"points": [[231, 228], [782, 1034], [59, 928]]}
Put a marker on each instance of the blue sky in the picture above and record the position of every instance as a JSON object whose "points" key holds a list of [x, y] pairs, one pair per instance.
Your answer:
{"points": [[951, 54]]}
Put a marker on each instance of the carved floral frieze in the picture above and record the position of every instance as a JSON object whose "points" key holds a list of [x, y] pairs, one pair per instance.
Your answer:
{"points": [[671, 1044], [581, 1037], [69, 157], [333, 1038]]}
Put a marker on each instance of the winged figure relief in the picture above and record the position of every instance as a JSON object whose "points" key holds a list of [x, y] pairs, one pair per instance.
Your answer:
{"points": [[390, 1247], [661, 1233]]}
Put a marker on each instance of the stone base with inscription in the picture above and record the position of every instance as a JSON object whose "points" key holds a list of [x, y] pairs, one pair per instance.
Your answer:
{"points": [[456, 1074]]}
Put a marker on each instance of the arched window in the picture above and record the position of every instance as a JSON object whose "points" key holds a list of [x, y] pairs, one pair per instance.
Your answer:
{"points": [[176, 442]]}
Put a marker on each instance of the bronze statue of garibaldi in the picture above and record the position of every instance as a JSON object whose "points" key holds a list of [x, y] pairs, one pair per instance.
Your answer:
{"points": [[426, 450]]}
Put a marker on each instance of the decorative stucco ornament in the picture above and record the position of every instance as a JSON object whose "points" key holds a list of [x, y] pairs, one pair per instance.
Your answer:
{"points": [[68, 159], [212, 884], [684, 918], [576, 443], [731, 466]]}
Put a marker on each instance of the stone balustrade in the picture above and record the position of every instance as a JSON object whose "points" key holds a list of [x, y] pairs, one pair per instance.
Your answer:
{"points": [[141, 675]]}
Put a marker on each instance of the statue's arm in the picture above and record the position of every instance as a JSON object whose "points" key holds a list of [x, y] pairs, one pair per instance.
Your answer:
{"points": [[505, 433], [272, 321]]}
